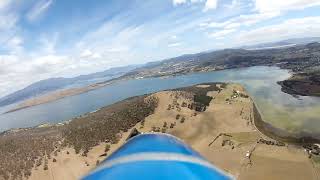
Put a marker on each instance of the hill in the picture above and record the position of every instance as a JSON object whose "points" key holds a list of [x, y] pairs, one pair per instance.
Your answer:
{"points": [[52, 84], [216, 119], [303, 60]]}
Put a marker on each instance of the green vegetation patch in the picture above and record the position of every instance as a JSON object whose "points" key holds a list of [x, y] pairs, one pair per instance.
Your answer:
{"points": [[203, 99], [22, 150], [316, 160], [103, 125], [243, 137], [201, 90]]}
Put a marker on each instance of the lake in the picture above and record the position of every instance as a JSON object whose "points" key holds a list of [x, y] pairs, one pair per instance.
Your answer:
{"points": [[281, 110]]}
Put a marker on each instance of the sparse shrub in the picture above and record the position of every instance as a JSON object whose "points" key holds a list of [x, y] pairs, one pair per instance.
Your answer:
{"points": [[163, 130], [85, 153], [21, 151], [104, 154], [45, 167], [165, 124], [172, 125], [38, 162], [184, 104], [155, 129], [107, 148]]}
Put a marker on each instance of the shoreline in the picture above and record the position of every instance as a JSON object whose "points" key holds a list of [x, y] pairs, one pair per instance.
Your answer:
{"points": [[279, 134], [64, 93], [264, 127], [54, 96], [83, 140]]}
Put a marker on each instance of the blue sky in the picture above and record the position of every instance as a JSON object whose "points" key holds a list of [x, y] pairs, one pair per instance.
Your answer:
{"points": [[52, 38]]}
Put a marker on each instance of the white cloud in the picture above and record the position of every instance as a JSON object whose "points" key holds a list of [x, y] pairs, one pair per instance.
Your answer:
{"points": [[221, 34], [292, 28], [233, 4], [38, 9], [210, 4], [86, 53], [255, 18], [180, 2], [125, 40], [48, 43], [15, 44], [283, 5], [4, 4], [174, 44], [196, 1], [177, 2], [89, 54], [118, 49], [234, 24], [8, 20], [17, 72], [242, 20], [173, 37]]}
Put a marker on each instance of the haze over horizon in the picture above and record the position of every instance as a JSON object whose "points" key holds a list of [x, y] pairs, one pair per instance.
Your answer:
{"points": [[51, 38]]}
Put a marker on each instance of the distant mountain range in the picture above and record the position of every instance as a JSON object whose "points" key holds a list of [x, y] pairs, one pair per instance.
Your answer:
{"points": [[284, 43], [182, 64], [218, 56], [52, 84]]}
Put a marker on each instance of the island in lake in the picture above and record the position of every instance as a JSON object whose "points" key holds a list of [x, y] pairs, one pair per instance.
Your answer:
{"points": [[219, 120]]}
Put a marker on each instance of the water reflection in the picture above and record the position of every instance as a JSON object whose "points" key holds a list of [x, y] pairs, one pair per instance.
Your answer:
{"points": [[281, 110]]}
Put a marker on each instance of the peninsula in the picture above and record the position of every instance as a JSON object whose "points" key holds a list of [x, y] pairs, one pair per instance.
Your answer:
{"points": [[216, 119]]}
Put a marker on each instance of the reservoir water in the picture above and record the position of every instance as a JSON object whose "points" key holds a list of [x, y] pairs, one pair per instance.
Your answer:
{"points": [[295, 115]]}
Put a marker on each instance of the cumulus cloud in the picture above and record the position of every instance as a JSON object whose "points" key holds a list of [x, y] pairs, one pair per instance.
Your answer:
{"points": [[17, 72], [242, 20], [7, 20], [15, 44], [210, 4], [89, 54], [234, 24], [221, 34], [174, 44], [177, 2], [173, 37], [126, 39], [298, 27], [38, 9], [86, 53], [283, 5], [4, 4]]}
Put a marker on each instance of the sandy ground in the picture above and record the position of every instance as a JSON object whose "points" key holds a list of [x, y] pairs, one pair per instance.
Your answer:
{"points": [[233, 119], [55, 95]]}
